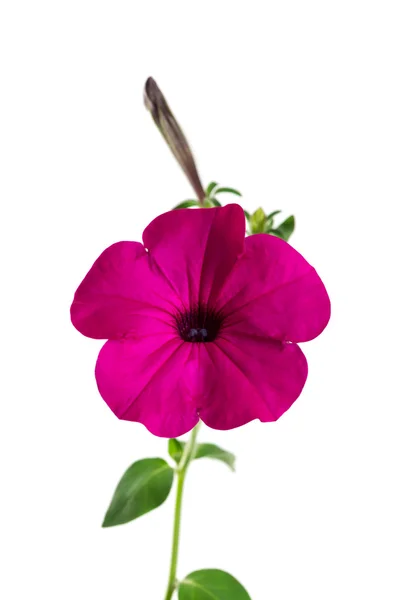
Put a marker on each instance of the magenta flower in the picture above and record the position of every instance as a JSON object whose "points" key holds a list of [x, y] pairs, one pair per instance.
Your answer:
{"points": [[202, 322]]}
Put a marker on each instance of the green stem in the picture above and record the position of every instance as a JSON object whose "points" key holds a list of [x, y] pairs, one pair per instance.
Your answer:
{"points": [[181, 471]]}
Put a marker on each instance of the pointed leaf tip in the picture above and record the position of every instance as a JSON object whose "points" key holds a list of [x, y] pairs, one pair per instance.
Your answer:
{"points": [[216, 453], [211, 186], [273, 214], [175, 449], [285, 229], [227, 190]]}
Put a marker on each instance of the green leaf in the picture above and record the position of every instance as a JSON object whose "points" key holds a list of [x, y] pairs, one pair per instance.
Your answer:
{"points": [[186, 204], [211, 584], [272, 215], [175, 449], [215, 202], [247, 215], [210, 187], [215, 452], [285, 229], [269, 222], [143, 487], [227, 190]]}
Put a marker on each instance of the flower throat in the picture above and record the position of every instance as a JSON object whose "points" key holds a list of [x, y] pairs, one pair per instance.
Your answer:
{"points": [[198, 324]]}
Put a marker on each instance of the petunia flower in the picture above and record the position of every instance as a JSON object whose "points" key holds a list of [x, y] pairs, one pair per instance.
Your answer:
{"points": [[201, 322]]}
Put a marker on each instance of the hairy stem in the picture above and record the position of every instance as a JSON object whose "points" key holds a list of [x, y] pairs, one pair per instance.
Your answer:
{"points": [[181, 471]]}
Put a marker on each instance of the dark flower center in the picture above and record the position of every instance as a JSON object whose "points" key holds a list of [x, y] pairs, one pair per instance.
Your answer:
{"points": [[198, 324]]}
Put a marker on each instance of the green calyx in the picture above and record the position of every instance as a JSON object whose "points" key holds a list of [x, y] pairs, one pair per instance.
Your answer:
{"points": [[210, 200], [261, 222]]}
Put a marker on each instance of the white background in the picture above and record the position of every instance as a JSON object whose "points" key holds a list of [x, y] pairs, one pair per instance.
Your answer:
{"points": [[297, 105]]}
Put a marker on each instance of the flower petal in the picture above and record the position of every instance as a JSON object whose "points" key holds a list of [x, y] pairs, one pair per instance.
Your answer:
{"points": [[196, 249], [144, 381], [122, 295], [273, 291], [252, 379]]}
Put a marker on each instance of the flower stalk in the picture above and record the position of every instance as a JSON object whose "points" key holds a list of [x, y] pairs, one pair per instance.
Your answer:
{"points": [[181, 471]]}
